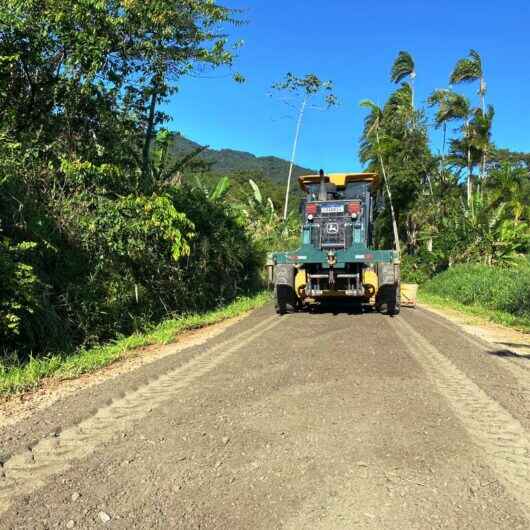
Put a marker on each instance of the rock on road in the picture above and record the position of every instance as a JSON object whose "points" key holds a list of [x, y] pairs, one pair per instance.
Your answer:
{"points": [[326, 421]]}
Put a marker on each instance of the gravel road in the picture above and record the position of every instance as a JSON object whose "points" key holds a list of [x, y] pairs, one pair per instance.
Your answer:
{"points": [[326, 420]]}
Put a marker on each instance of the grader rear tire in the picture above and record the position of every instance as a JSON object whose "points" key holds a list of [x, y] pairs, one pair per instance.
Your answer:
{"points": [[388, 300], [285, 299]]}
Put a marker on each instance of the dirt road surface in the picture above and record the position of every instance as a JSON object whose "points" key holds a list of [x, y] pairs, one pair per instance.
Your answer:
{"points": [[328, 421]]}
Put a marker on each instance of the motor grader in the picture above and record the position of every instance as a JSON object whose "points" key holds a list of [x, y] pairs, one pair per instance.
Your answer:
{"points": [[336, 258]]}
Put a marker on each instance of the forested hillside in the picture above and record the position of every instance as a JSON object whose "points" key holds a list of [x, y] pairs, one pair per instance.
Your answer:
{"points": [[228, 161]]}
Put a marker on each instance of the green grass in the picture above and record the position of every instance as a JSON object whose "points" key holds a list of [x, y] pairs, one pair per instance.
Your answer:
{"points": [[497, 294], [15, 379], [492, 315]]}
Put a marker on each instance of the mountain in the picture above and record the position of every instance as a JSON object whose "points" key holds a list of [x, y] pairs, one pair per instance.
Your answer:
{"points": [[227, 161]]}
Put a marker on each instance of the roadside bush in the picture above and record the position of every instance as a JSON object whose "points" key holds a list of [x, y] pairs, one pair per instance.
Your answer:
{"points": [[420, 268], [89, 265], [21, 295], [223, 263], [504, 289]]}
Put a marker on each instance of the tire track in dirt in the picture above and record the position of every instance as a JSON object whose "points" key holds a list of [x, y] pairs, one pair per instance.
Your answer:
{"points": [[502, 439], [516, 364], [25, 472]]}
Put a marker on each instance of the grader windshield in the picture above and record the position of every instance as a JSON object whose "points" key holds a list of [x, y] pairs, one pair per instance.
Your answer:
{"points": [[352, 190], [338, 209]]}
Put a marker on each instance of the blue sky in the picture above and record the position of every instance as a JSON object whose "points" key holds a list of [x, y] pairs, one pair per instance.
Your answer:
{"points": [[354, 44]]}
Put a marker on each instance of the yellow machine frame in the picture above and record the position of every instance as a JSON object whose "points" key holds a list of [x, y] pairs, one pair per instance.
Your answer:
{"points": [[340, 179]]}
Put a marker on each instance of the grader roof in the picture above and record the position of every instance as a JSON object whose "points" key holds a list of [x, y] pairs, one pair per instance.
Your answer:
{"points": [[340, 179]]}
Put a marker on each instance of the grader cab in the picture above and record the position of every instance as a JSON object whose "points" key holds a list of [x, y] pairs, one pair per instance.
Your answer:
{"points": [[336, 257]]}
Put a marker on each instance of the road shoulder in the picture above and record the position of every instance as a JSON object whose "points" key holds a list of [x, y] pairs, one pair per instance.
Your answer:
{"points": [[512, 340], [60, 403]]}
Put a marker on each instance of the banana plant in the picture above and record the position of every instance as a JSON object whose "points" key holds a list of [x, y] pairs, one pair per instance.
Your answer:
{"points": [[489, 233], [164, 170], [221, 189], [218, 192], [265, 224]]}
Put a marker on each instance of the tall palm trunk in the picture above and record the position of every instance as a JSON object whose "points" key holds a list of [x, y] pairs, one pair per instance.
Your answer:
{"points": [[469, 163], [293, 156], [412, 92], [482, 91], [411, 84], [443, 150], [469, 175], [389, 193]]}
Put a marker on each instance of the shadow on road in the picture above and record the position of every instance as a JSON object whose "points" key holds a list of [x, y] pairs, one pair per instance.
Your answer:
{"points": [[509, 353], [340, 307]]}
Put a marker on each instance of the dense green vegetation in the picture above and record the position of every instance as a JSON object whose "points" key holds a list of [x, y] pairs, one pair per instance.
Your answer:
{"points": [[24, 376], [468, 204], [499, 289], [103, 230]]}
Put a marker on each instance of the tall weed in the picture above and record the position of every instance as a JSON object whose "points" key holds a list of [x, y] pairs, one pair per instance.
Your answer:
{"points": [[504, 289]]}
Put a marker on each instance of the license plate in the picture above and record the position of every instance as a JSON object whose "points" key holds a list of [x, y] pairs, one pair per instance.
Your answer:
{"points": [[332, 209]]}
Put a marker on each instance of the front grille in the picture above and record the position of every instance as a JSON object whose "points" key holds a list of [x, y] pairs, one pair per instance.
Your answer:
{"points": [[331, 232]]}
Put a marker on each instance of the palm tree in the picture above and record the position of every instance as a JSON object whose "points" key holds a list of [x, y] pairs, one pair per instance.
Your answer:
{"points": [[454, 107], [372, 126], [451, 107], [402, 68], [399, 104], [481, 128], [468, 70]]}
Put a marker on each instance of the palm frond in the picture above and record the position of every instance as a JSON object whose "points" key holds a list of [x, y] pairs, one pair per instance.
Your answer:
{"points": [[403, 67], [468, 69], [400, 99], [438, 97], [372, 120], [476, 57], [451, 106]]}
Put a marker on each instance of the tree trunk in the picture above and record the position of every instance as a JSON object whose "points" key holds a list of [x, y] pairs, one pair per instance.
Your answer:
{"points": [[469, 166], [412, 100], [389, 193], [149, 136], [483, 105], [293, 155], [443, 150], [469, 176]]}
